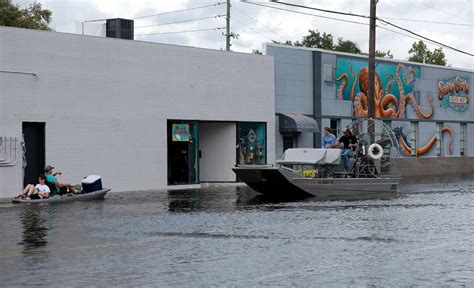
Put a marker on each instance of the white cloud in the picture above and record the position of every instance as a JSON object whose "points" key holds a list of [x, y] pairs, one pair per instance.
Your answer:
{"points": [[259, 24]]}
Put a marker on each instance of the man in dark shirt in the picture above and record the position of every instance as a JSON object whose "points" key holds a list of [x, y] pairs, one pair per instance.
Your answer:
{"points": [[350, 143]]}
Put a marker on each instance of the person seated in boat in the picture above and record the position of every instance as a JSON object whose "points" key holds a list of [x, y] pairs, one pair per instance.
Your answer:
{"points": [[328, 139], [350, 143], [40, 191], [57, 187]]}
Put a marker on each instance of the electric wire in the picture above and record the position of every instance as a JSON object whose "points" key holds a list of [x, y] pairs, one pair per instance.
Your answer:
{"points": [[186, 31], [426, 38], [182, 21], [427, 21], [182, 10], [256, 21], [309, 14], [363, 16], [434, 8]]}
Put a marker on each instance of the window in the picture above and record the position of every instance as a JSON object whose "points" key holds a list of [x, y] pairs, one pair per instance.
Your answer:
{"points": [[335, 126], [252, 146], [462, 138], [413, 137]]}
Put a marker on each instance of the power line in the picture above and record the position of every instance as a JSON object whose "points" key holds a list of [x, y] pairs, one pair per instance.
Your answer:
{"points": [[187, 31], [322, 10], [309, 14], [182, 10], [426, 38], [427, 21], [183, 21], [434, 8], [256, 21], [383, 21]]}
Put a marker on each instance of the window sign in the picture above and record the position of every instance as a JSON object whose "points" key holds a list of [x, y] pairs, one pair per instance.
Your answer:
{"points": [[252, 144], [181, 132]]}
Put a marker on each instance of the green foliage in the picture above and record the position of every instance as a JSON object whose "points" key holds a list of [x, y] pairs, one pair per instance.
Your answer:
{"points": [[383, 54], [347, 46], [419, 52], [317, 40], [33, 17]]}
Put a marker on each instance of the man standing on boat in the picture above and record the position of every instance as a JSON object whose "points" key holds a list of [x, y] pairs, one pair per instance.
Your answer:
{"points": [[350, 144]]}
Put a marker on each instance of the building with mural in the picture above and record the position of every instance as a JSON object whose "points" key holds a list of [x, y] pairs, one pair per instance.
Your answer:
{"points": [[428, 107]]}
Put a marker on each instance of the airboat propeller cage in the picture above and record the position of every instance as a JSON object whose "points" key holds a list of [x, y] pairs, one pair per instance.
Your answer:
{"points": [[91, 183]]}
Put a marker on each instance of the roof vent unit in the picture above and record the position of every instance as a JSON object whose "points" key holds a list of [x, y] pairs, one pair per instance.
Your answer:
{"points": [[119, 28]]}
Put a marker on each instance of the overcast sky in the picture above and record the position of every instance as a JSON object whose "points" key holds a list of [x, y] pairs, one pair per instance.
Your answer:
{"points": [[257, 25]]}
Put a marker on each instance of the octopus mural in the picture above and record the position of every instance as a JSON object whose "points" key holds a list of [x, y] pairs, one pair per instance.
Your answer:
{"points": [[390, 102], [406, 147], [387, 105]]}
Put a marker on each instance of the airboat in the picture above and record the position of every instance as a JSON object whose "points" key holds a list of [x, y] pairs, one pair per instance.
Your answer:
{"points": [[318, 172]]}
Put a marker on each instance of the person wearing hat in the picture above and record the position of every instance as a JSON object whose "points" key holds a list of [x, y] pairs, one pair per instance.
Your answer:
{"points": [[58, 188], [350, 143]]}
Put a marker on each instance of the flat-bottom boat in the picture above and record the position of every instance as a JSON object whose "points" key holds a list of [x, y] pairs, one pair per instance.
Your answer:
{"points": [[306, 172], [99, 194]]}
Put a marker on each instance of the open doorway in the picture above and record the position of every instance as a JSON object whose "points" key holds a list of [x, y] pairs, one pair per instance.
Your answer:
{"points": [[183, 161], [34, 136]]}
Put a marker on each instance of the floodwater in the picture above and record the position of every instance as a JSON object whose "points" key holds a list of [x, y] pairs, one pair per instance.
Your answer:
{"points": [[232, 237]]}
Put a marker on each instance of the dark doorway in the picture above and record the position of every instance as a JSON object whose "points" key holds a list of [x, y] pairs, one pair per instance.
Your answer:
{"points": [[183, 162], [287, 142], [33, 133]]}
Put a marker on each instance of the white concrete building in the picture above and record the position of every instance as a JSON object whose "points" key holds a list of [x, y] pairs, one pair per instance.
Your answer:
{"points": [[142, 115]]}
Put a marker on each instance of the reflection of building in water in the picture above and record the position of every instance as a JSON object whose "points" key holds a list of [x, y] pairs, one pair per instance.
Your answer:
{"points": [[35, 232]]}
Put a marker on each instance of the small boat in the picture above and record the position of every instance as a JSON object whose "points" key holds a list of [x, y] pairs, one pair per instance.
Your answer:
{"points": [[317, 172], [99, 194]]}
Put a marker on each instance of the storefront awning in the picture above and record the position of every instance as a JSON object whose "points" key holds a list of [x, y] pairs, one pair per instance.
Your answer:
{"points": [[294, 122]]}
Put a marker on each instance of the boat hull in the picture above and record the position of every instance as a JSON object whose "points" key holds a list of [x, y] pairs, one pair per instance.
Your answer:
{"points": [[67, 198], [269, 181], [274, 181]]}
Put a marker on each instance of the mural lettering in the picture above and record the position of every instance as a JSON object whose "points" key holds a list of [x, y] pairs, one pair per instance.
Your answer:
{"points": [[454, 93]]}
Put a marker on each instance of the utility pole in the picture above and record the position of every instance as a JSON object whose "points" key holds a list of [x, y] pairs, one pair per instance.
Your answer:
{"points": [[227, 22], [371, 88]]}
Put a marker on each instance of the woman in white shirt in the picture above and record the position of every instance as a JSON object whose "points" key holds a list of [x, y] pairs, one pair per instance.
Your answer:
{"points": [[40, 191]]}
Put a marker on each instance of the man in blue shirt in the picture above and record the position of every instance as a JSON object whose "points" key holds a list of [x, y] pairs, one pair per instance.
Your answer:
{"points": [[57, 187], [328, 139]]}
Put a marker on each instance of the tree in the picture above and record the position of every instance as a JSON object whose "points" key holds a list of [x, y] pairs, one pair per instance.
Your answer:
{"points": [[315, 40], [419, 52], [383, 54], [33, 17], [347, 46]]}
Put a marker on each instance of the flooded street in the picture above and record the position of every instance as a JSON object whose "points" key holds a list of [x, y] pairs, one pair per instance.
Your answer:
{"points": [[233, 237]]}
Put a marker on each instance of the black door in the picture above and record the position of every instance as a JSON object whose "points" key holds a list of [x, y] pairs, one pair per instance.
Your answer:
{"points": [[33, 133]]}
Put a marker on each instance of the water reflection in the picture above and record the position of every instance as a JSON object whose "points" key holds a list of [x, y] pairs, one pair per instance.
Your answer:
{"points": [[35, 232]]}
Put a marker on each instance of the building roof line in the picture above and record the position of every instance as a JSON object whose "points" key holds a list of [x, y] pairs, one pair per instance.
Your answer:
{"points": [[366, 56]]}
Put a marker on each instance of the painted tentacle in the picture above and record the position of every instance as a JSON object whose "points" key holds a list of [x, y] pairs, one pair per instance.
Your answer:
{"points": [[390, 83], [340, 92], [418, 108], [405, 147], [449, 130], [389, 112], [361, 105], [356, 79]]}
